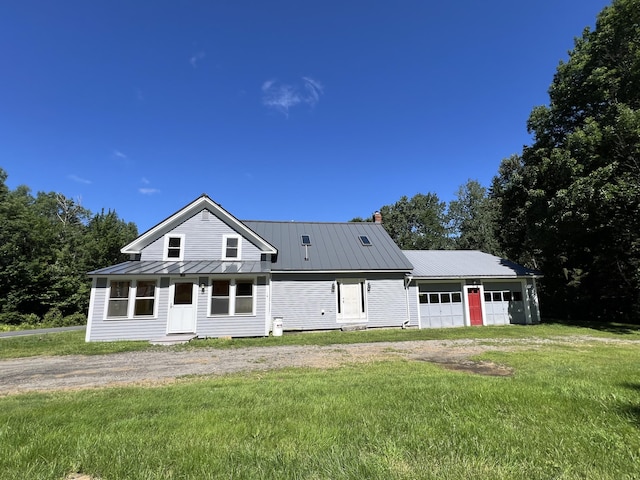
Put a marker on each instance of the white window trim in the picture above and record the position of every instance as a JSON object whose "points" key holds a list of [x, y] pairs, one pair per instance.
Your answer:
{"points": [[224, 247], [131, 300], [232, 296], [165, 252]]}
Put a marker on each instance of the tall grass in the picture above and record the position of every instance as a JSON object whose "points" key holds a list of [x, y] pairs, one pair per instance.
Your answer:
{"points": [[568, 412]]}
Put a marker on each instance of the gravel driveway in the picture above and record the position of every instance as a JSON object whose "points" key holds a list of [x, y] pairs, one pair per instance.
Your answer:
{"points": [[162, 366]]}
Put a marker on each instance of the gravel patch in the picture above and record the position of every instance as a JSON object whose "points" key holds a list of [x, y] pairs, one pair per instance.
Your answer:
{"points": [[72, 372]]}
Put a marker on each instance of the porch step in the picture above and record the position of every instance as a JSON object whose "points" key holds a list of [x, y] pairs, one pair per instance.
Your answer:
{"points": [[173, 339], [353, 328]]}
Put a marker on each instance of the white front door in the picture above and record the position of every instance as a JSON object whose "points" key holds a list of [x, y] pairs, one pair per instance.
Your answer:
{"points": [[182, 307], [351, 300]]}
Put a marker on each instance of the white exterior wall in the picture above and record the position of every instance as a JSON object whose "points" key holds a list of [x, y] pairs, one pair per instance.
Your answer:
{"points": [[308, 302], [202, 241], [102, 328]]}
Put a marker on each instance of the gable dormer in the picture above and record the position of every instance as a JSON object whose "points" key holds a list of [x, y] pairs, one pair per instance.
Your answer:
{"points": [[202, 230]]}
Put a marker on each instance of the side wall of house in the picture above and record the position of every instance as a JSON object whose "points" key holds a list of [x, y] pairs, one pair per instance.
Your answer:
{"points": [[310, 301], [203, 237], [101, 328], [238, 325]]}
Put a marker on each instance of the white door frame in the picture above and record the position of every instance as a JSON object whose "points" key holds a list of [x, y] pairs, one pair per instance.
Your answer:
{"points": [[467, 314], [191, 328], [362, 286]]}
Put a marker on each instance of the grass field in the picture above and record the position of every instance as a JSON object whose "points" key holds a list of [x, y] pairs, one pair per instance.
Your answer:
{"points": [[68, 343], [568, 412]]}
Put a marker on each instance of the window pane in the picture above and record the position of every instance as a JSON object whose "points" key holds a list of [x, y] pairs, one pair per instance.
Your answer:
{"points": [[120, 289], [231, 253], [143, 307], [434, 298], [506, 296], [244, 305], [517, 296], [497, 296], [232, 242], [423, 298], [117, 308], [220, 288], [220, 306], [182, 294], [446, 298], [244, 289], [145, 288], [173, 253], [174, 242], [487, 296], [456, 298]]}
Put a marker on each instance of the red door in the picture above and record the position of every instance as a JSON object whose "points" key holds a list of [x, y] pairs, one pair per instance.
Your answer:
{"points": [[475, 306]]}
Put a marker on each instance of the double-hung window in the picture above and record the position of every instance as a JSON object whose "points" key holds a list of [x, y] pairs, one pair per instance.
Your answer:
{"points": [[232, 297], [131, 298], [174, 247], [145, 297], [231, 247], [119, 299]]}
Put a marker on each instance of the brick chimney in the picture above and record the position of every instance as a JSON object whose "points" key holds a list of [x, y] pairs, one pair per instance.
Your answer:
{"points": [[377, 217]]}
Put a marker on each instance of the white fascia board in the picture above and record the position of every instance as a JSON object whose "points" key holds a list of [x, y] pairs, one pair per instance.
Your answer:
{"points": [[340, 271], [194, 207], [481, 277]]}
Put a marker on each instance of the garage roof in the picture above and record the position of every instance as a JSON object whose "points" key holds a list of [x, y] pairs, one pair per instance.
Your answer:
{"points": [[464, 264]]}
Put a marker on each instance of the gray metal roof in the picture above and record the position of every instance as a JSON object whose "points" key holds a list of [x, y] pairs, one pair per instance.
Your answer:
{"points": [[187, 268], [334, 246], [463, 263]]}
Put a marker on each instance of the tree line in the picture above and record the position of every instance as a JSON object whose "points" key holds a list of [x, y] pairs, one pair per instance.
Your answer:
{"points": [[48, 243], [569, 203]]}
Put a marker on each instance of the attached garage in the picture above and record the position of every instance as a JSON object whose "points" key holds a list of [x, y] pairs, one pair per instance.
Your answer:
{"points": [[455, 288], [440, 304]]}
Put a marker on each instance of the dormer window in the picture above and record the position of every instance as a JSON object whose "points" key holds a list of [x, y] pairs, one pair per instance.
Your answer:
{"points": [[364, 240], [174, 247], [231, 247]]}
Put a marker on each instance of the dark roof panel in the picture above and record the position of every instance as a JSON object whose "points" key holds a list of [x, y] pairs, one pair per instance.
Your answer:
{"points": [[335, 246]]}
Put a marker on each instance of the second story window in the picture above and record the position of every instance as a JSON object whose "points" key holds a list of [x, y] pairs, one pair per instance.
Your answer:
{"points": [[231, 247], [174, 247]]}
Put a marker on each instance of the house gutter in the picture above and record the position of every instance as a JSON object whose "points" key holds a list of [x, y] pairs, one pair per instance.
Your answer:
{"points": [[407, 281]]}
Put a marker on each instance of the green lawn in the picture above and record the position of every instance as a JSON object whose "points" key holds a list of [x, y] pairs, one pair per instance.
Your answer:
{"points": [[68, 343], [567, 413]]}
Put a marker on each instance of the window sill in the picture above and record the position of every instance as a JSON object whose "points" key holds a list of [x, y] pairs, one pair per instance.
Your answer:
{"points": [[115, 319]]}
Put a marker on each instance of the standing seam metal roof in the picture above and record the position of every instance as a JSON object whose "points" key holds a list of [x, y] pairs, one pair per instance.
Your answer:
{"points": [[463, 263], [188, 268], [334, 246]]}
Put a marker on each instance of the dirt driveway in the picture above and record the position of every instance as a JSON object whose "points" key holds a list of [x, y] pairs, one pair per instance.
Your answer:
{"points": [[163, 366]]}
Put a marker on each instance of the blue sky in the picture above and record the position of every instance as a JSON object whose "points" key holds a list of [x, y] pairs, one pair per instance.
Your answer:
{"points": [[278, 110]]}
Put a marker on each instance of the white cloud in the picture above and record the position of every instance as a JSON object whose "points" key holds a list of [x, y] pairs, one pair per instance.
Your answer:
{"points": [[195, 59], [119, 154], [145, 181], [78, 179], [282, 97], [148, 191]]}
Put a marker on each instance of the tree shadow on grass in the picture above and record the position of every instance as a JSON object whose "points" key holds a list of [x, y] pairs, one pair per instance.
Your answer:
{"points": [[632, 411], [610, 327]]}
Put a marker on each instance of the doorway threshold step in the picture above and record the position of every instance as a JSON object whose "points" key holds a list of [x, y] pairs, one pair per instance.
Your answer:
{"points": [[173, 339]]}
